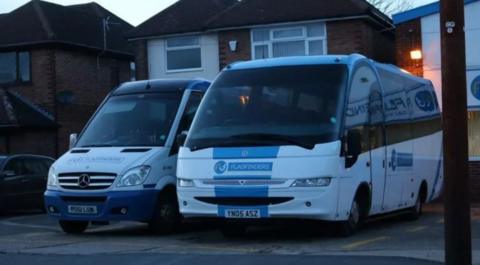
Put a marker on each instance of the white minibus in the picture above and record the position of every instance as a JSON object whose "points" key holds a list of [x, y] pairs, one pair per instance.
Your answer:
{"points": [[335, 138], [122, 167]]}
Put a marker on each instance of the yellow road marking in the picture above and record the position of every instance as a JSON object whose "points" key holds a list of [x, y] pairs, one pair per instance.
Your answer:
{"points": [[416, 229], [361, 243]]}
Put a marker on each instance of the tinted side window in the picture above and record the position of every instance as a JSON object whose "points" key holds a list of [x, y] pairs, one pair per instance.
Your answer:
{"points": [[187, 118], [14, 165], [33, 166], [362, 103]]}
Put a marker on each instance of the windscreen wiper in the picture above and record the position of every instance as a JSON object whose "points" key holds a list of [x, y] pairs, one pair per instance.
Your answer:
{"points": [[96, 145], [274, 137], [228, 142]]}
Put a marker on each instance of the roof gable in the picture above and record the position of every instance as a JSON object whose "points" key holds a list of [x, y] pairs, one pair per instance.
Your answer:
{"points": [[181, 17], [43, 22], [185, 16]]}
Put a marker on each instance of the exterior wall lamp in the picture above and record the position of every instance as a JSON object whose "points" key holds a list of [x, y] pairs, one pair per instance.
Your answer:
{"points": [[416, 55]]}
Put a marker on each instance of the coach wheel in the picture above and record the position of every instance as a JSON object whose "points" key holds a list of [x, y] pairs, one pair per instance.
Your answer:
{"points": [[349, 226], [73, 227], [416, 211]]}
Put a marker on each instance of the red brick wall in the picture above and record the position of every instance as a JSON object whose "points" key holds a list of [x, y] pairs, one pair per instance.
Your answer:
{"points": [[243, 52], [141, 59], [90, 79], [475, 181], [359, 36], [408, 37], [87, 76]]}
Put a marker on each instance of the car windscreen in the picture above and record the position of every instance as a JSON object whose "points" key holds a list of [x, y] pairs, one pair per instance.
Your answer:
{"points": [[132, 120], [288, 105]]}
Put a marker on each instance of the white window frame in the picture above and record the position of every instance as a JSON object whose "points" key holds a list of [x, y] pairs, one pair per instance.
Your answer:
{"points": [[167, 49], [303, 38]]}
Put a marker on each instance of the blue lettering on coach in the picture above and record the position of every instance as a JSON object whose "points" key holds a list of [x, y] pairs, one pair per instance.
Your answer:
{"points": [[220, 167], [425, 101], [243, 166]]}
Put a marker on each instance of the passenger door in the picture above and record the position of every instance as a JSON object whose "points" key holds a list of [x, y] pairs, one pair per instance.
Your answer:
{"points": [[35, 173], [399, 139], [12, 184], [365, 113]]}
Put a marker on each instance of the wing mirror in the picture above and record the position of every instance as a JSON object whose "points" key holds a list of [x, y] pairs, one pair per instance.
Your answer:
{"points": [[352, 147], [73, 140], [181, 138]]}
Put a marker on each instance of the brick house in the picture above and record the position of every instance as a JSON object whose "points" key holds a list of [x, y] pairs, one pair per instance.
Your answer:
{"points": [[418, 32], [55, 69], [197, 38]]}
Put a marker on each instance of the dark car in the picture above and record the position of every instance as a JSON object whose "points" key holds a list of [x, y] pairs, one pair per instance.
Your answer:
{"points": [[23, 180]]}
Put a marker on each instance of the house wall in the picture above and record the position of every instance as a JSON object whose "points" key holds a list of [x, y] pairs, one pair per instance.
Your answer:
{"points": [[426, 34], [85, 78], [244, 46], [432, 50], [359, 36], [209, 56], [408, 37], [141, 59], [343, 37]]}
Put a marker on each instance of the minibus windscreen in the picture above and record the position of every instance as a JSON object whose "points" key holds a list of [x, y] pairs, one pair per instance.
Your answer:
{"points": [[288, 105], [132, 120]]}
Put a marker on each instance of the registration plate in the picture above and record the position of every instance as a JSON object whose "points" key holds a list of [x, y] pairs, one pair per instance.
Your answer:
{"points": [[80, 209], [242, 213]]}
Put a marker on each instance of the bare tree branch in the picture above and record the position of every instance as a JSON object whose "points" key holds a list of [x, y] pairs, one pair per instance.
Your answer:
{"points": [[390, 7]]}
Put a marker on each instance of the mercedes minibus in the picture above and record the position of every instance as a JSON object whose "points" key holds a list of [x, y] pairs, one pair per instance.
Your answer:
{"points": [[122, 167]]}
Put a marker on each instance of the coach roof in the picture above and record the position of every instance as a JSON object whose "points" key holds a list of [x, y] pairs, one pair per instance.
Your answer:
{"points": [[161, 85]]}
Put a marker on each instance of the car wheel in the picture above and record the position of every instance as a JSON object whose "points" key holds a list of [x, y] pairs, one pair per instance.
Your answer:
{"points": [[230, 229], [73, 227], [166, 217], [348, 227]]}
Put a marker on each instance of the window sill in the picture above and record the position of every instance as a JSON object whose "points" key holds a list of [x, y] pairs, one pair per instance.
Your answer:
{"points": [[184, 70]]}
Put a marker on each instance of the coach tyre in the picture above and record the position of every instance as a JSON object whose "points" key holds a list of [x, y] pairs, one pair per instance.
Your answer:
{"points": [[349, 226], [73, 227], [416, 211], [167, 215]]}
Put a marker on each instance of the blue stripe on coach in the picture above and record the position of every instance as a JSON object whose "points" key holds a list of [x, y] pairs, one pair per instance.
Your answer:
{"points": [[245, 152]]}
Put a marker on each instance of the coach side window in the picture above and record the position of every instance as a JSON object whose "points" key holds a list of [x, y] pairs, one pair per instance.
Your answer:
{"points": [[364, 107]]}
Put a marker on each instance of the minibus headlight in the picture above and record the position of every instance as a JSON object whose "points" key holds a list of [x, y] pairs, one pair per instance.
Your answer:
{"points": [[134, 176], [312, 182], [52, 178], [185, 183]]}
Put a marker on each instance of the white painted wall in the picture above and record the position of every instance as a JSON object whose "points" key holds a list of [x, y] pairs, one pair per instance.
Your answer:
{"points": [[157, 63], [432, 54]]}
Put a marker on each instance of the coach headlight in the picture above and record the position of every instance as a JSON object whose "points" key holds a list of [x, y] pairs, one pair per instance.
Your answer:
{"points": [[312, 182], [185, 183]]}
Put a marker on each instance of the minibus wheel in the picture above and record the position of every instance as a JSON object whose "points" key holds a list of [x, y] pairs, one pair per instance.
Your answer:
{"points": [[348, 227], [167, 215], [73, 227], [232, 229]]}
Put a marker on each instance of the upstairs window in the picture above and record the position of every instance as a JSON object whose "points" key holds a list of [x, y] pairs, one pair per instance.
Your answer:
{"points": [[14, 67], [183, 53], [301, 40]]}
